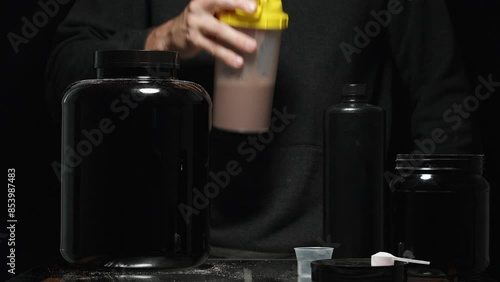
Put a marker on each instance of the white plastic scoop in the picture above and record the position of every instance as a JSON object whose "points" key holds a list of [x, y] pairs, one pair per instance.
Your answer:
{"points": [[385, 259]]}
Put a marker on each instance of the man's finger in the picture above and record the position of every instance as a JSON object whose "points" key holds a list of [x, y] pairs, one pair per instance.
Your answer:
{"points": [[226, 35], [217, 50], [214, 6]]}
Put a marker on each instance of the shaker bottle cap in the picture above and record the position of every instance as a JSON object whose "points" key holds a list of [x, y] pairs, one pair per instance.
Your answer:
{"points": [[269, 15]]}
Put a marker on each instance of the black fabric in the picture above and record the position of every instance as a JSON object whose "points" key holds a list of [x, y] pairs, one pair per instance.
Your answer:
{"points": [[411, 67]]}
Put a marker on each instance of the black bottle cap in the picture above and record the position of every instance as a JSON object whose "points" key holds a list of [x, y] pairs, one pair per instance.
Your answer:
{"points": [[135, 58], [354, 92]]}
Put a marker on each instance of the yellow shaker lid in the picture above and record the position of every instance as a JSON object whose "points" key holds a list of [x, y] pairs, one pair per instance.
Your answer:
{"points": [[268, 15]]}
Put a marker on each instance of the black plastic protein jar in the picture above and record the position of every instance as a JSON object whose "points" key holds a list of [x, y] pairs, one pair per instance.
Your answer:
{"points": [[134, 148], [440, 213]]}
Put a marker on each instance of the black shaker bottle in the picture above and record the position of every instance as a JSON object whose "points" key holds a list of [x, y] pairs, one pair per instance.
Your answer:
{"points": [[353, 175]]}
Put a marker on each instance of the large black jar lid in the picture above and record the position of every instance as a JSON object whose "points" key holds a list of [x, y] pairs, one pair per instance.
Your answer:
{"points": [[135, 58], [356, 269]]}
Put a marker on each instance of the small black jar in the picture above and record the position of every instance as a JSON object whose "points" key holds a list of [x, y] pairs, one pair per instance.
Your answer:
{"points": [[356, 270], [440, 213], [134, 150]]}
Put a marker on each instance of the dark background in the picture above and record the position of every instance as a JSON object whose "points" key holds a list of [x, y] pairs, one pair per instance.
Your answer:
{"points": [[33, 139]]}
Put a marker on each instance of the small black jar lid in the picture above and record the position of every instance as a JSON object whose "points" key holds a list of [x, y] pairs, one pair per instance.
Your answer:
{"points": [[440, 162], [356, 269], [135, 58]]}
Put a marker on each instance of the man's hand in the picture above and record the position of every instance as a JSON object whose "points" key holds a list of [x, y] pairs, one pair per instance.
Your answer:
{"points": [[197, 28]]}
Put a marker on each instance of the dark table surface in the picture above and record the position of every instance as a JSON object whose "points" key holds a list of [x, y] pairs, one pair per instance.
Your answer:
{"points": [[211, 270], [271, 270]]}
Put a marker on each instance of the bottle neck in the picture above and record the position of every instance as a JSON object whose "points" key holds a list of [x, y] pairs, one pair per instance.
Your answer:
{"points": [[353, 101], [135, 72]]}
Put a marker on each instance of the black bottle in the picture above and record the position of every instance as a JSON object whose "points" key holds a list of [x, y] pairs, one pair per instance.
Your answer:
{"points": [[134, 149], [353, 175]]}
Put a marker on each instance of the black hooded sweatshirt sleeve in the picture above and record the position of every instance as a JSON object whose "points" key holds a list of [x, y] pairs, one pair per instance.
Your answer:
{"points": [[90, 26], [429, 68]]}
